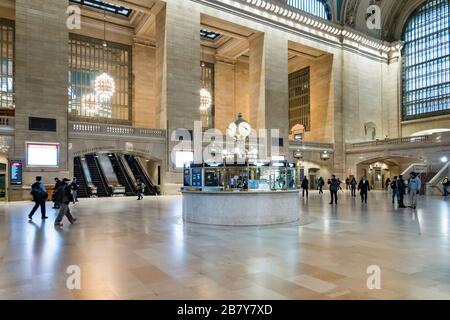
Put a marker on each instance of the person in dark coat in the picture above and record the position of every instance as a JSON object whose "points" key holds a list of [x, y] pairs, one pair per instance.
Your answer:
{"points": [[395, 193], [353, 185], [320, 184], [335, 186], [364, 188], [39, 197], [401, 189], [305, 186], [55, 188], [64, 197]]}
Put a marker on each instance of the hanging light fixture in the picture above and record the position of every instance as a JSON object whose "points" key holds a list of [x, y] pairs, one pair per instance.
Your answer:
{"points": [[205, 95], [104, 86], [205, 99]]}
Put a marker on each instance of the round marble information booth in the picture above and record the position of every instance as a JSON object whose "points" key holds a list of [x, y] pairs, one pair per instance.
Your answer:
{"points": [[245, 208]]}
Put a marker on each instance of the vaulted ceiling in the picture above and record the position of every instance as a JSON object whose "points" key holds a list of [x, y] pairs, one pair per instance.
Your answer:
{"points": [[394, 14]]}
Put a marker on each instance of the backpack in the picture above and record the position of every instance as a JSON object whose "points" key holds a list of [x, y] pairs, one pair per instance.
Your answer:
{"points": [[37, 193], [334, 185], [393, 185]]}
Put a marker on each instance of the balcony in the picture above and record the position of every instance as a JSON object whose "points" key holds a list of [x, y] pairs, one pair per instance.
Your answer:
{"points": [[6, 126], [311, 146], [98, 130], [426, 141]]}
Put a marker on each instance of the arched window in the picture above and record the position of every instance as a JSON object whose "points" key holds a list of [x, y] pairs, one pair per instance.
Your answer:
{"points": [[426, 61], [318, 8]]}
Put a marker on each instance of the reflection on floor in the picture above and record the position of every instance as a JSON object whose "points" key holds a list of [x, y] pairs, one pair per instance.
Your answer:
{"points": [[130, 249]]}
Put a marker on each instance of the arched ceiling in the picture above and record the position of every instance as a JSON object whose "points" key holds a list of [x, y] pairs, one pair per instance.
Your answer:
{"points": [[394, 14]]}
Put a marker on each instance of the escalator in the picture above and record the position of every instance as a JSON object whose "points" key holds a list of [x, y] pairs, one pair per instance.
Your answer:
{"points": [[121, 174], [141, 174], [97, 176], [81, 179]]}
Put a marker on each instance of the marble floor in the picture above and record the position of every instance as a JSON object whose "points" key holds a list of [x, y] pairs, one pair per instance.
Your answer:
{"points": [[128, 249]]}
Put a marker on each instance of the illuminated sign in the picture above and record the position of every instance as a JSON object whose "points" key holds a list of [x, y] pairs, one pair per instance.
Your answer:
{"points": [[15, 172], [42, 155]]}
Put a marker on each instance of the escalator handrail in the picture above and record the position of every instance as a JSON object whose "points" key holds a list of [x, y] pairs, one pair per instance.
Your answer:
{"points": [[77, 162], [144, 175], [102, 178], [121, 168]]}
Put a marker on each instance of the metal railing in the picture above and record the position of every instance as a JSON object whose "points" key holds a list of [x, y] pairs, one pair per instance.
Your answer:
{"points": [[311, 145], [114, 130], [387, 142]]}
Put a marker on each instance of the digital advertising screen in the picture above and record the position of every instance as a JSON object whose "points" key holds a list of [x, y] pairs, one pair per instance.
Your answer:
{"points": [[42, 155], [16, 172]]}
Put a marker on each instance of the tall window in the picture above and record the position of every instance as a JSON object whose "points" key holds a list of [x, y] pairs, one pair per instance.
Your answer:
{"points": [[87, 60], [6, 67], [207, 84], [426, 61], [299, 99], [318, 8]]}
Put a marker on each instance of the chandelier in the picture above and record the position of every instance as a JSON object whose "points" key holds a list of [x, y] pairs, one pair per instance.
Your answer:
{"points": [[205, 100], [104, 85]]}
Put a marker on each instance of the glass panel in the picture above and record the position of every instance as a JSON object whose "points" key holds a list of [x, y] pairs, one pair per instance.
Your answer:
{"points": [[318, 8], [88, 59], [426, 61], [299, 99], [7, 103]]}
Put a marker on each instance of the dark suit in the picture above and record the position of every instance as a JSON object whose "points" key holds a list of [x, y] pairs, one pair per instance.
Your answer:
{"points": [[364, 188]]}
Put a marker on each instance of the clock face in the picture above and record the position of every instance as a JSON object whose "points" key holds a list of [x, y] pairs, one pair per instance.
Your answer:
{"points": [[244, 129], [232, 128]]}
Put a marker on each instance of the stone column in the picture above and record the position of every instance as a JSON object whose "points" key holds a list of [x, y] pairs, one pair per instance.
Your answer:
{"points": [[178, 71], [225, 94], [144, 86], [269, 96], [41, 82]]}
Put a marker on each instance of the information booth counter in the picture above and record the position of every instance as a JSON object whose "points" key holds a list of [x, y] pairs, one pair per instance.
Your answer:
{"points": [[248, 194]]}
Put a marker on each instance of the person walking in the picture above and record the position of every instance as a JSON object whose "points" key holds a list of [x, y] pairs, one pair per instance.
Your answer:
{"points": [[55, 188], [414, 186], [320, 184], [335, 186], [74, 188], [64, 197], [445, 185], [305, 187], [353, 185], [40, 196], [395, 192], [387, 184], [364, 188], [401, 188], [347, 184], [140, 190]]}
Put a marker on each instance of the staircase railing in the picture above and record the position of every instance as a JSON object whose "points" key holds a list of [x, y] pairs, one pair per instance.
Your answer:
{"points": [[434, 186]]}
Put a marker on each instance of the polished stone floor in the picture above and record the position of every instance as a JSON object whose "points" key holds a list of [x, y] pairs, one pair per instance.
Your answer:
{"points": [[128, 249]]}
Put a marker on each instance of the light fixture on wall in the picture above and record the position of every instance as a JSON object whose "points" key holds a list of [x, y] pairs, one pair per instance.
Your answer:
{"points": [[205, 99], [325, 156], [104, 85]]}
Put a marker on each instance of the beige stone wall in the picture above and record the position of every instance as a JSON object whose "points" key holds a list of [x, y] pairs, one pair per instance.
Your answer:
{"points": [[232, 92], [320, 96], [41, 78], [144, 102]]}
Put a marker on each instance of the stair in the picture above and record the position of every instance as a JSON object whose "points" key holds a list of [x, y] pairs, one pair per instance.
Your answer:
{"points": [[140, 173], [97, 176], [122, 177], [81, 180]]}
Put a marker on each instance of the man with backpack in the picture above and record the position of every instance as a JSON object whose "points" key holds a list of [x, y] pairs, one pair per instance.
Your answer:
{"points": [[55, 188], [305, 186], [401, 188], [39, 197], [64, 196], [335, 186]]}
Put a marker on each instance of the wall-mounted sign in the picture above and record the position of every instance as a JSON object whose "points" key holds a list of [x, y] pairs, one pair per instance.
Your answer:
{"points": [[42, 154], [15, 172]]}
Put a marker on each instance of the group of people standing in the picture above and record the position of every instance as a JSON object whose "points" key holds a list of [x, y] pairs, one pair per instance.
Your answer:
{"points": [[399, 188], [64, 192]]}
